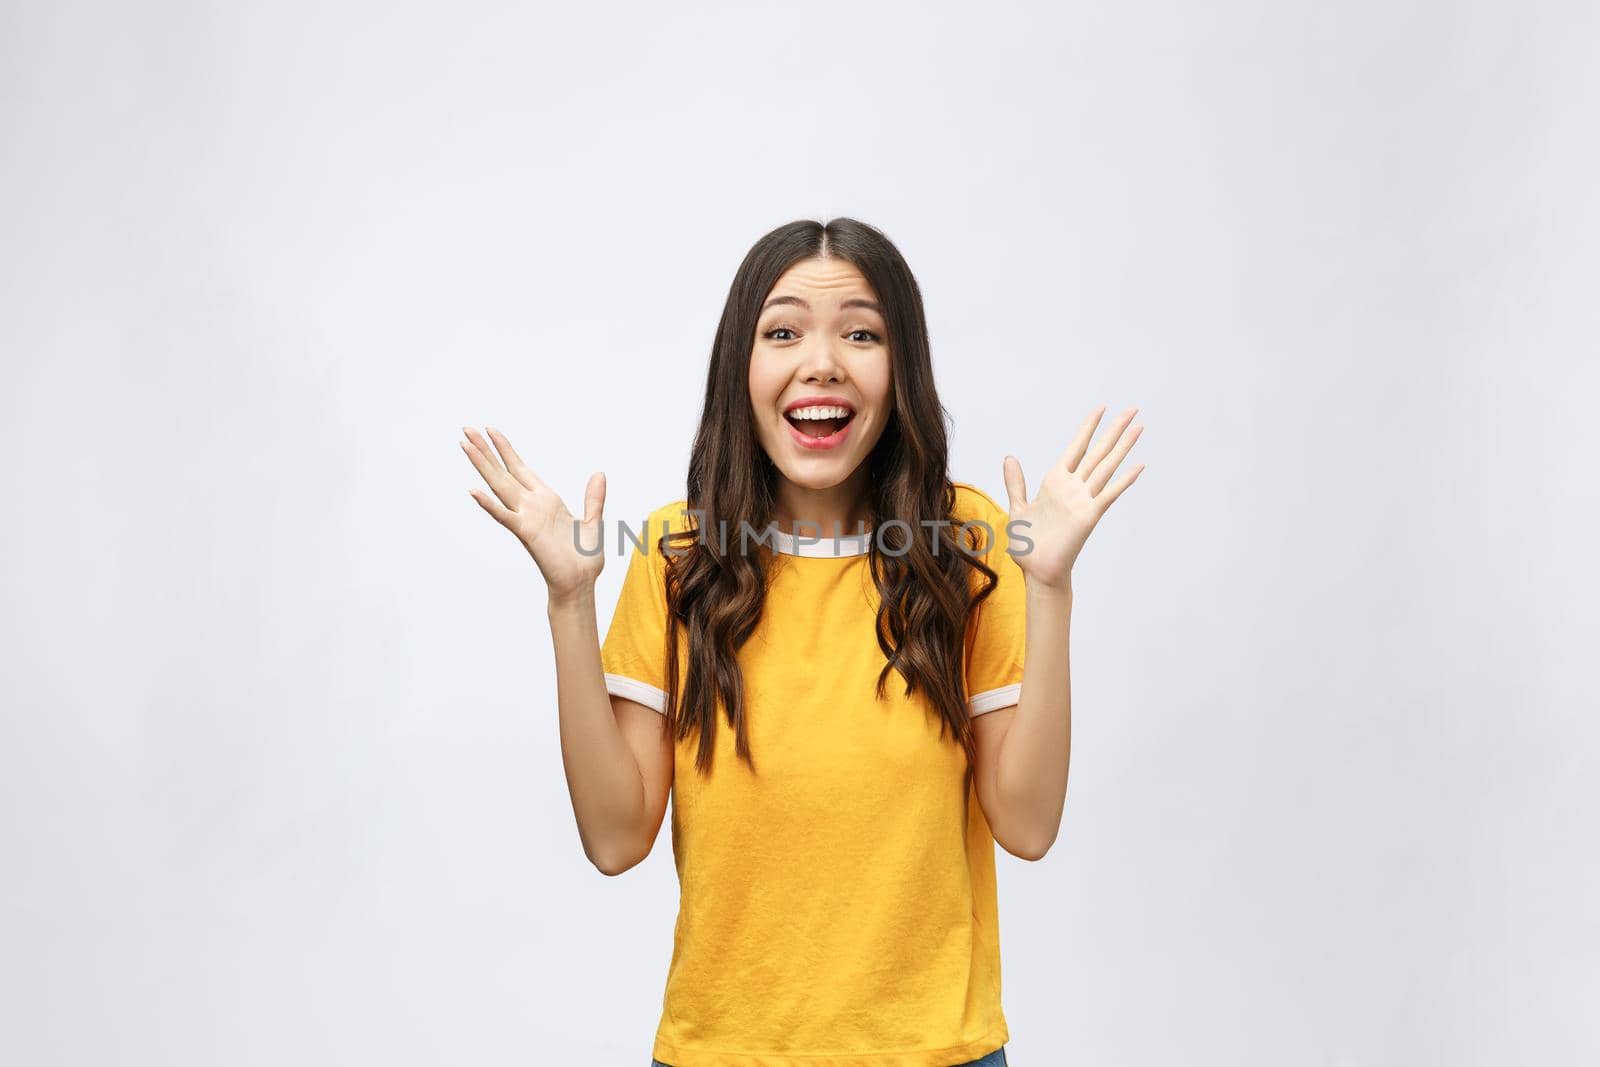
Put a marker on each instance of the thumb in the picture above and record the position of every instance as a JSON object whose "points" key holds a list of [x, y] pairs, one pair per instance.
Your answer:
{"points": [[594, 498], [1016, 488]]}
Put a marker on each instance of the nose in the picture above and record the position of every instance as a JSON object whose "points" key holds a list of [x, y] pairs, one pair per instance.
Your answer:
{"points": [[820, 363]]}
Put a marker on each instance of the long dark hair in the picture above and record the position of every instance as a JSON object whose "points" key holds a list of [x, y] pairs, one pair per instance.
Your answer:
{"points": [[925, 595]]}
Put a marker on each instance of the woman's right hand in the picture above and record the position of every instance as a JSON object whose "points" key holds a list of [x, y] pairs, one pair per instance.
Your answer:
{"points": [[530, 509]]}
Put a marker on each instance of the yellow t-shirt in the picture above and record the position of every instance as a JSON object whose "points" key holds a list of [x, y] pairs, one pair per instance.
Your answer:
{"points": [[837, 907]]}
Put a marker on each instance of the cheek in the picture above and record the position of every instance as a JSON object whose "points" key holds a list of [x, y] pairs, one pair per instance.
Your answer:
{"points": [[877, 381], [764, 390]]}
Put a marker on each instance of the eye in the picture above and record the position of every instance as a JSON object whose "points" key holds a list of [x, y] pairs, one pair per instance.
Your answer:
{"points": [[867, 336], [778, 329]]}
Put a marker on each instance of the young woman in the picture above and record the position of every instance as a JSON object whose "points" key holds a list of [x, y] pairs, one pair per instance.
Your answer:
{"points": [[846, 722]]}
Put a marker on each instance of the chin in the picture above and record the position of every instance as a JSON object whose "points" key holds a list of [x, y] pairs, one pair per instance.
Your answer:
{"points": [[830, 474]]}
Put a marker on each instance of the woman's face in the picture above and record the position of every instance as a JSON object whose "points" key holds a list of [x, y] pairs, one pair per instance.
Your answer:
{"points": [[820, 347]]}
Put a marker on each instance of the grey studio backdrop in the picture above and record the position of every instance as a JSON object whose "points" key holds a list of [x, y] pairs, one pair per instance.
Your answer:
{"points": [[280, 782]]}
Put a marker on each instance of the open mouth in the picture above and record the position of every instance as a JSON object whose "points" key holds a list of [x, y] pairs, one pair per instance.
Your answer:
{"points": [[819, 423], [811, 423]]}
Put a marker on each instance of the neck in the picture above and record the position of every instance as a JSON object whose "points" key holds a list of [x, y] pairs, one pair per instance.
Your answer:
{"points": [[815, 512]]}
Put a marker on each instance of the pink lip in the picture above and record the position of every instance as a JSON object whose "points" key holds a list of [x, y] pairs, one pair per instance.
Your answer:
{"points": [[833, 440]]}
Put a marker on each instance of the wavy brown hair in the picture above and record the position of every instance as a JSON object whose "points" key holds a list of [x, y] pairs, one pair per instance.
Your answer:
{"points": [[926, 595]]}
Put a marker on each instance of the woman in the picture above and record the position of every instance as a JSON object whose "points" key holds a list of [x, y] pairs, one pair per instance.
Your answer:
{"points": [[865, 685]]}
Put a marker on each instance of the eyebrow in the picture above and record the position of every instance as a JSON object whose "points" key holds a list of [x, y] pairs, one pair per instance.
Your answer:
{"points": [[853, 302]]}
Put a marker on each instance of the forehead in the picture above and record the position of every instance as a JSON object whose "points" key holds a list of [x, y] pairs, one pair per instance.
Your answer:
{"points": [[822, 280]]}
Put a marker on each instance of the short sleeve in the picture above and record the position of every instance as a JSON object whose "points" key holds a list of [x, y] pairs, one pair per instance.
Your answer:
{"points": [[634, 655], [997, 637]]}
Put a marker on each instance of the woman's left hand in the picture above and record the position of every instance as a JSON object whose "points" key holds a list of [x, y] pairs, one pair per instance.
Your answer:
{"points": [[1070, 500]]}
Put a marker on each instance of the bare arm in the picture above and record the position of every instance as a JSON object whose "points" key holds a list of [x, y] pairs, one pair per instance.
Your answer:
{"points": [[1024, 751], [616, 753]]}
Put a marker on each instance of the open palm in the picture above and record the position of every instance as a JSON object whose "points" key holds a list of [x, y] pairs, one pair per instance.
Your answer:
{"points": [[531, 510], [1071, 498]]}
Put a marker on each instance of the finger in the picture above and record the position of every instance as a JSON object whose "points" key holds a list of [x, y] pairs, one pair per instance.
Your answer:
{"points": [[587, 530], [1080, 441], [1016, 485], [1109, 497], [1107, 467], [505, 487], [498, 479], [1107, 441], [494, 508], [518, 469], [594, 498], [483, 446]]}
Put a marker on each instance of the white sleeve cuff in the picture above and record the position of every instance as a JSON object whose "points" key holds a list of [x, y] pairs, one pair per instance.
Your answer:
{"points": [[620, 685], [994, 699]]}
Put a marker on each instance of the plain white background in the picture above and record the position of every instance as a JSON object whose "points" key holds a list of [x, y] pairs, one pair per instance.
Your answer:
{"points": [[279, 775]]}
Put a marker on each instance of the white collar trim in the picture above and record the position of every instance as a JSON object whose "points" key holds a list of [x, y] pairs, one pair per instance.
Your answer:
{"points": [[828, 547]]}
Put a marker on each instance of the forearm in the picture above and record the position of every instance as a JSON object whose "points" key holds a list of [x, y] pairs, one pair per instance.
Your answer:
{"points": [[1032, 764], [603, 777]]}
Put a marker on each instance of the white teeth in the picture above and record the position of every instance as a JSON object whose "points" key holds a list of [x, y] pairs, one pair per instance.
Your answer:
{"points": [[820, 413]]}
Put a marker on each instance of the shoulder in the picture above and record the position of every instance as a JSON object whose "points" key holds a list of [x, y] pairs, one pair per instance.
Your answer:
{"points": [[671, 516], [974, 505], [970, 501], [667, 518]]}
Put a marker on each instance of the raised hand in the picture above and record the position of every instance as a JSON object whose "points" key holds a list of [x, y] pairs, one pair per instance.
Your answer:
{"points": [[1071, 498], [530, 509]]}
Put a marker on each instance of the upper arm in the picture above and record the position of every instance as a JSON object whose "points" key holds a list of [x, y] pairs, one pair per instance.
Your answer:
{"points": [[645, 731], [633, 658], [995, 653], [988, 732]]}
